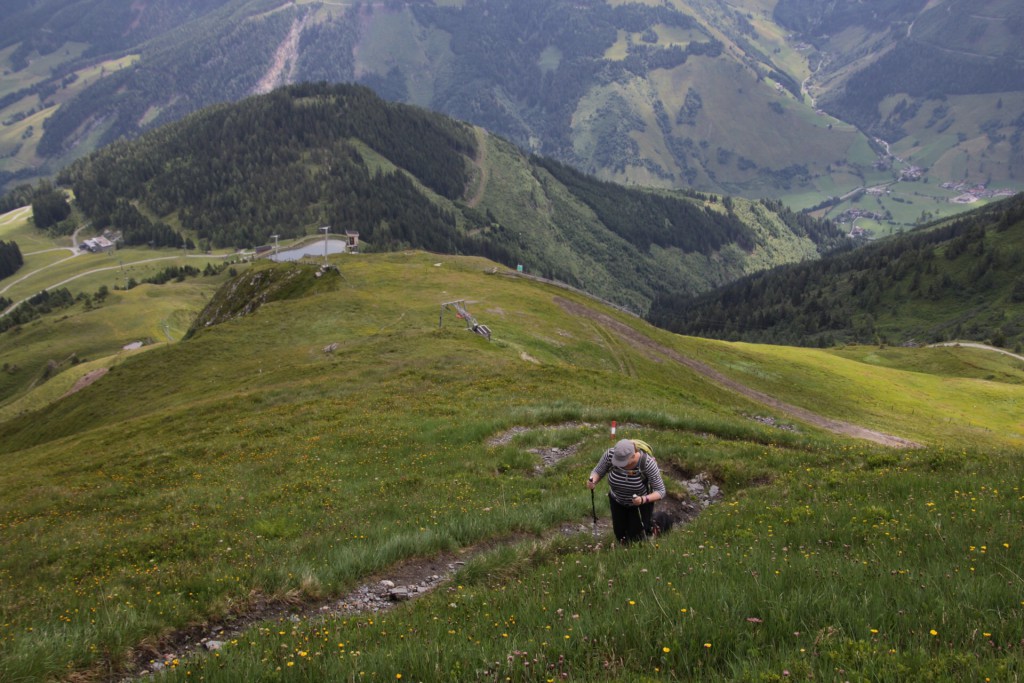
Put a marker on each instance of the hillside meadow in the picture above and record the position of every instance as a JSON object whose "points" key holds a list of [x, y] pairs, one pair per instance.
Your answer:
{"points": [[199, 482], [72, 341]]}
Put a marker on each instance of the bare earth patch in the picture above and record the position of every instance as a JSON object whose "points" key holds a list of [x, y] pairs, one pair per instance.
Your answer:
{"points": [[86, 380]]}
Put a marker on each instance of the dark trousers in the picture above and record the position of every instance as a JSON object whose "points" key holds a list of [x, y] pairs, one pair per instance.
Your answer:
{"points": [[630, 522]]}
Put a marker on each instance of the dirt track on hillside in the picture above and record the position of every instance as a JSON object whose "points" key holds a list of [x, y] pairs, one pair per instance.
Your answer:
{"points": [[654, 349], [405, 580]]}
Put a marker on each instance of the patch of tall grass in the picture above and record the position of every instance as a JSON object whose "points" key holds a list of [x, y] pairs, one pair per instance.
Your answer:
{"points": [[838, 571]]}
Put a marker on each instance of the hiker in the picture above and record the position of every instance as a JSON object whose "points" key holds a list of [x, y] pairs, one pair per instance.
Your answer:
{"points": [[634, 484]]}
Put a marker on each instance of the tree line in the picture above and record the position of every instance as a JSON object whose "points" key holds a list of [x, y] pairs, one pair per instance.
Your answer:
{"points": [[10, 258], [37, 306], [647, 218]]}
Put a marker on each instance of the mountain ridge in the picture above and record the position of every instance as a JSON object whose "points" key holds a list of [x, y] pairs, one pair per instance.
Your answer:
{"points": [[287, 163], [635, 95]]}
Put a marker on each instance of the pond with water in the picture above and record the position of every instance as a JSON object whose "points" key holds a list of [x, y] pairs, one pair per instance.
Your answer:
{"points": [[311, 251]]}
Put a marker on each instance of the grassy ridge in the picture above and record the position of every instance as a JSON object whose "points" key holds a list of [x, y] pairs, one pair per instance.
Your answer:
{"points": [[196, 477]]}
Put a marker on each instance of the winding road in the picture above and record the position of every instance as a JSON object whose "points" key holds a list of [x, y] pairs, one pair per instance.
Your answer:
{"points": [[75, 252], [983, 347]]}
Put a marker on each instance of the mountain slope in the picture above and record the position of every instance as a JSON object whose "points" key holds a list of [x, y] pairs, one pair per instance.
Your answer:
{"points": [[627, 91], [284, 458], [940, 82], [306, 156], [957, 280], [702, 94]]}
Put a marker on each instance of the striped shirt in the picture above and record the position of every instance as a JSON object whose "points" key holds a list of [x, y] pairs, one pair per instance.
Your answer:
{"points": [[624, 484]]}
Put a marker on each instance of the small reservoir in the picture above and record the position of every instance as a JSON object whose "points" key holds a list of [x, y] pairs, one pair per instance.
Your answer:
{"points": [[313, 250]]}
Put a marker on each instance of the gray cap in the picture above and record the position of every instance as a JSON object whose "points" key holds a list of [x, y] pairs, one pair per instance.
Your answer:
{"points": [[622, 452]]}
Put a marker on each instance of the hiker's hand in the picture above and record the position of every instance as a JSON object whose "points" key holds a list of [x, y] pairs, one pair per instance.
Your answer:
{"points": [[591, 483], [638, 500]]}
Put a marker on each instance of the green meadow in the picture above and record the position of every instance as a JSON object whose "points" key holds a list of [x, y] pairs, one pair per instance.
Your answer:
{"points": [[350, 425]]}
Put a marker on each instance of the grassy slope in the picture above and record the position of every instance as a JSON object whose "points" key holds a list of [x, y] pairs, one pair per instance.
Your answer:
{"points": [[563, 231], [147, 313], [943, 361], [247, 461], [960, 410], [975, 158]]}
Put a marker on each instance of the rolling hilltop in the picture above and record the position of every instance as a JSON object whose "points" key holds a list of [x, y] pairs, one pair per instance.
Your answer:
{"points": [[729, 98], [213, 507], [307, 156]]}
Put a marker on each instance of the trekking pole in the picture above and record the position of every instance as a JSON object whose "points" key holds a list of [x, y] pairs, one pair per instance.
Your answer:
{"points": [[593, 510], [642, 526]]}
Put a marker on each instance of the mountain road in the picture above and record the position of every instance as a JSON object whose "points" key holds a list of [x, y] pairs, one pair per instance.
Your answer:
{"points": [[835, 426]]}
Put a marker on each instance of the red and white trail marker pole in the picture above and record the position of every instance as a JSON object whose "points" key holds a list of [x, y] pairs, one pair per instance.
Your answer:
{"points": [[613, 430]]}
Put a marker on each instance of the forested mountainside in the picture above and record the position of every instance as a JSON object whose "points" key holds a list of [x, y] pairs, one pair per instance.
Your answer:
{"points": [[37, 28], [279, 163], [957, 280], [310, 155], [628, 91], [822, 19], [581, 82], [923, 100]]}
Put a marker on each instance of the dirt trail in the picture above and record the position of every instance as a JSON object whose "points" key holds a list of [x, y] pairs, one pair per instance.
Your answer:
{"points": [[981, 347], [650, 346], [406, 580]]}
